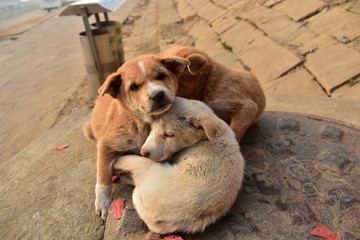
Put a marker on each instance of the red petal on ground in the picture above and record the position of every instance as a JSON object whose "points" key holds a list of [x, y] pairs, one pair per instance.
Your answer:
{"points": [[171, 237], [115, 178], [118, 207], [61, 147], [322, 231]]}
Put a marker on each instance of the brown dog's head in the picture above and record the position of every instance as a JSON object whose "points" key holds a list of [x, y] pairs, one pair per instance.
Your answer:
{"points": [[195, 76], [197, 63], [146, 85]]}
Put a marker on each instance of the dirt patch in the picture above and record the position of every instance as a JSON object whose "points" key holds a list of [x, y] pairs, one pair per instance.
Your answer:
{"points": [[79, 101]]}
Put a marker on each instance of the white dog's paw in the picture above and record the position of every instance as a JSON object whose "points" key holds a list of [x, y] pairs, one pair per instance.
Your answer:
{"points": [[102, 200]]}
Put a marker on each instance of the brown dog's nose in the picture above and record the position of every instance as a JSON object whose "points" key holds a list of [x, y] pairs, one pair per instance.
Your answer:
{"points": [[158, 97]]}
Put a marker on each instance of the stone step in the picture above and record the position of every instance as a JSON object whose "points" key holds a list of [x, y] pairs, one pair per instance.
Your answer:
{"points": [[341, 109], [49, 194]]}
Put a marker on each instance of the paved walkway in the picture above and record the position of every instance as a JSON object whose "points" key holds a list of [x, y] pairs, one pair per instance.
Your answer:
{"points": [[304, 63], [287, 44]]}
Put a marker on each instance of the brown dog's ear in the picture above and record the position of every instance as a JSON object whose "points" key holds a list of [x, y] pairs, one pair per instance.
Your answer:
{"points": [[175, 64], [197, 62], [111, 85], [209, 125]]}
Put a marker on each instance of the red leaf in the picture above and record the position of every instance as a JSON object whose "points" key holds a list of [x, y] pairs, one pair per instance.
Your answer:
{"points": [[171, 237], [322, 231], [115, 178], [118, 207], [61, 147]]}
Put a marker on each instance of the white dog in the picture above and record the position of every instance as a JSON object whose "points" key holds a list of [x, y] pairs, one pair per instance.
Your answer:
{"points": [[202, 177]]}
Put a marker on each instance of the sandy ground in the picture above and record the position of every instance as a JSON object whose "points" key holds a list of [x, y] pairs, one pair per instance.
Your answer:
{"points": [[43, 77], [41, 70]]}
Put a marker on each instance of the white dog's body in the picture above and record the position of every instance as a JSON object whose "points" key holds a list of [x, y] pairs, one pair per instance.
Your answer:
{"points": [[204, 180]]}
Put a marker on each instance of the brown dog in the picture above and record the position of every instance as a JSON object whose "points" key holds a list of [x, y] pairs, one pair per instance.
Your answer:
{"points": [[128, 100], [234, 95]]}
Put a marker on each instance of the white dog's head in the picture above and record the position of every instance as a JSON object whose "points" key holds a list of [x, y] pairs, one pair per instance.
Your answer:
{"points": [[185, 124]]}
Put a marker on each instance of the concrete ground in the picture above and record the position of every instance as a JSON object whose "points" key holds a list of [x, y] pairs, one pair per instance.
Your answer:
{"points": [[305, 54]]}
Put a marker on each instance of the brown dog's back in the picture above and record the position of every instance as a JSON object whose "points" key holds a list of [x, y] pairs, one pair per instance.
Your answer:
{"points": [[234, 95]]}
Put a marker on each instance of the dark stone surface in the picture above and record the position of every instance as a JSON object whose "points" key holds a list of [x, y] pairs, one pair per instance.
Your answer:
{"points": [[131, 222], [333, 133], [300, 170], [343, 197], [289, 125]]}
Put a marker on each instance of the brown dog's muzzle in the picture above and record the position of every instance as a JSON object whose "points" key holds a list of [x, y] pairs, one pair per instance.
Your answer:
{"points": [[159, 100]]}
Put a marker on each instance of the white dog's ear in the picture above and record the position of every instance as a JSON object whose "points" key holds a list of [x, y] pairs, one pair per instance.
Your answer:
{"points": [[197, 62], [210, 126], [111, 85], [175, 64]]}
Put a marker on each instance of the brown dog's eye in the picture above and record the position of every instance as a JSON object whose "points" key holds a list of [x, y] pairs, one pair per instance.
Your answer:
{"points": [[134, 87], [161, 76], [167, 135]]}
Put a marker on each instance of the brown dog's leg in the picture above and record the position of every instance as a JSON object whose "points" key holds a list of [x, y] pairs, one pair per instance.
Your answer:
{"points": [[88, 131], [105, 161], [241, 120]]}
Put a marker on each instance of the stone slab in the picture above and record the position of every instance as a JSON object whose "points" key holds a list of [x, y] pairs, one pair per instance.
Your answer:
{"points": [[355, 7], [334, 65], [340, 109], [211, 12], [142, 36], [282, 29], [343, 23], [355, 44], [184, 9], [285, 31], [306, 41], [197, 27], [198, 4], [261, 15], [225, 3], [297, 82], [300, 170], [299, 9], [266, 59], [167, 13], [149, 21], [243, 6], [272, 3], [49, 194], [174, 34], [207, 40], [229, 59], [170, 26], [348, 91], [224, 22], [204, 36]]}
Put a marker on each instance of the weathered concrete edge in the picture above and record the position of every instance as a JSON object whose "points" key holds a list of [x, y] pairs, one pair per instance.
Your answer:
{"points": [[51, 193]]}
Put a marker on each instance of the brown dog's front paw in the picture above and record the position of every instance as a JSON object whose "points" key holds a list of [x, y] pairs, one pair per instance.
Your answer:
{"points": [[102, 201]]}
